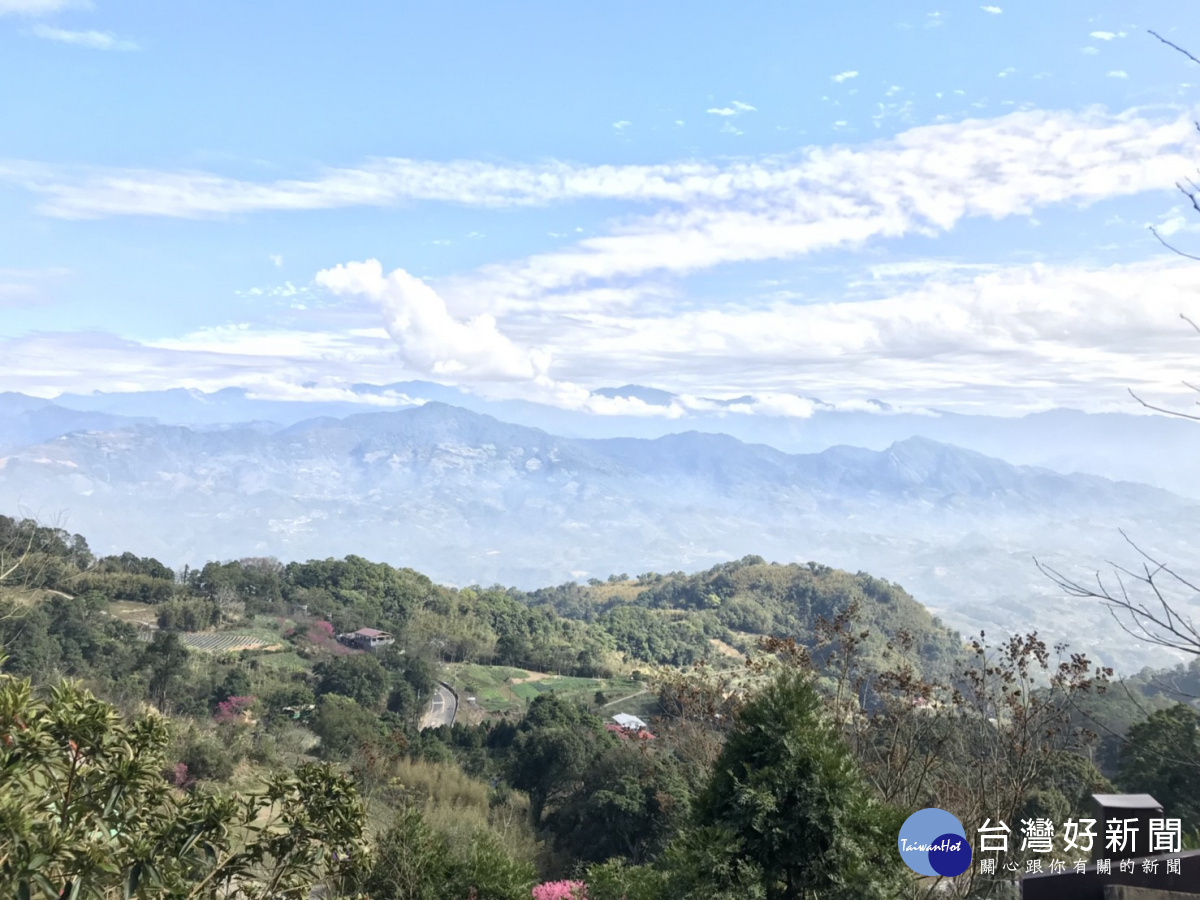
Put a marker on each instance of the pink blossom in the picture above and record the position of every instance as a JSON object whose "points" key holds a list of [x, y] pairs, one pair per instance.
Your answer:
{"points": [[231, 710], [560, 890], [180, 777]]}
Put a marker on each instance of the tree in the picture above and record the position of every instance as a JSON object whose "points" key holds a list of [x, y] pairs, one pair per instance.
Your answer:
{"points": [[1159, 758], [629, 805], [412, 861], [791, 799], [343, 726], [415, 862], [86, 812], [549, 763], [167, 660], [360, 677]]}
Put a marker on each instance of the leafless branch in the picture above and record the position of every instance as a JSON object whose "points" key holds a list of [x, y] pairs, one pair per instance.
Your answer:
{"points": [[1174, 46], [1156, 620], [1172, 248], [1161, 409]]}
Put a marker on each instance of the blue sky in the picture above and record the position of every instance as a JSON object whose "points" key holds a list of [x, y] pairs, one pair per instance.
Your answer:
{"points": [[939, 205]]}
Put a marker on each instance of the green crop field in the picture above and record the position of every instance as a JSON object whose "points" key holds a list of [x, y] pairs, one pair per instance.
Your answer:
{"points": [[501, 689], [221, 642]]}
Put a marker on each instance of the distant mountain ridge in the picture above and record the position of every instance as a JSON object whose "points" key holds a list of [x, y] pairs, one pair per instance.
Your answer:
{"points": [[1152, 449], [470, 499]]}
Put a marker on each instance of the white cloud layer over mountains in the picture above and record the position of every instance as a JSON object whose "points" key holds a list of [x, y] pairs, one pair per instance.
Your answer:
{"points": [[1007, 340], [600, 311]]}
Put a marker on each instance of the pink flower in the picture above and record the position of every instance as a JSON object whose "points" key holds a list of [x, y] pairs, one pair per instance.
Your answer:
{"points": [[560, 890], [180, 777], [231, 710]]}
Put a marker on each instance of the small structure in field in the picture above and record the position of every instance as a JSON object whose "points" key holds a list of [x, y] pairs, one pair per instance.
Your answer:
{"points": [[626, 726], [367, 639]]}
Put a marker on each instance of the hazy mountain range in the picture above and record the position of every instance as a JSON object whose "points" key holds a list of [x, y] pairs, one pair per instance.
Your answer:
{"points": [[1156, 450], [467, 499]]}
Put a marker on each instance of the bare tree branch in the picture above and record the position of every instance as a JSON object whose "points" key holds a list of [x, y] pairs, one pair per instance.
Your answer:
{"points": [[1169, 412], [1174, 46], [1173, 249], [1156, 621]]}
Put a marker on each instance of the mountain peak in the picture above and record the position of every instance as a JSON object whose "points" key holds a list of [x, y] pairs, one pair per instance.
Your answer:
{"points": [[648, 395]]}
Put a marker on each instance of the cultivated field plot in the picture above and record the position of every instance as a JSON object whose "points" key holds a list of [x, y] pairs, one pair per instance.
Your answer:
{"points": [[134, 613], [500, 689], [223, 642]]}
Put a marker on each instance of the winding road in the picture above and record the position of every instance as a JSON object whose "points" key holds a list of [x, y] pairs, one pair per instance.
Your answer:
{"points": [[442, 708]]}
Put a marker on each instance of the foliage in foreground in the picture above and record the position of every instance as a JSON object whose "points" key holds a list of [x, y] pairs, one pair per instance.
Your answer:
{"points": [[86, 812]]}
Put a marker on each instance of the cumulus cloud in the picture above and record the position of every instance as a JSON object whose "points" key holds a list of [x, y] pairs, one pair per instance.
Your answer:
{"points": [[1118, 73], [95, 40], [999, 339], [1102, 35], [994, 10], [736, 108], [430, 339], [1046, 333], [843, 76]]}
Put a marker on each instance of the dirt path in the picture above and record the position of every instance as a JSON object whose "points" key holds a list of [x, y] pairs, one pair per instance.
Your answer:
{"points": [[624, 699]]}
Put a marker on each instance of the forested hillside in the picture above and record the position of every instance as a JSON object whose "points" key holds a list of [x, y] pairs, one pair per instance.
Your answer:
{"points": [[228, 680], [466, 498]]}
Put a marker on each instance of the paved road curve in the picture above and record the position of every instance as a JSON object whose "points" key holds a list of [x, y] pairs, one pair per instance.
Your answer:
{"points": [[441, 710]]}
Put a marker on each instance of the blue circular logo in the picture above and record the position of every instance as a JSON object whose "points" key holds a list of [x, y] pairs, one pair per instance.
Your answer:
{"points": [[933, 842]]}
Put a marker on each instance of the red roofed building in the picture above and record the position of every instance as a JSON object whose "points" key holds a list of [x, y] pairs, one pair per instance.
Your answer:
{"points": [[626, 726]]}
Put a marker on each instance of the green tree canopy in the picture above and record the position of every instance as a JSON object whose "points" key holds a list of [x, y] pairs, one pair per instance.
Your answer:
{"points": [[359, 676], [85, 812], [789, 794], [1162, 758]]}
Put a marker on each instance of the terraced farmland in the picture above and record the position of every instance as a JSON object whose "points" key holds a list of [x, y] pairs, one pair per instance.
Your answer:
{"points": [[223, 642]]}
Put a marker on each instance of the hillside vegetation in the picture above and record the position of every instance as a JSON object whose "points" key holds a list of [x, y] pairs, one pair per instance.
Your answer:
{"points": [[835, 687]]}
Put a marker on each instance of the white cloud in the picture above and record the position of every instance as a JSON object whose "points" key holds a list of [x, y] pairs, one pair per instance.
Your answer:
{"points": [[926, 180], [995, 339], [1004, 74], [843, 76], [622, 125], [1102, 35], [39, 7], [430, 339], [277, 259], [96, 40], [1118, 73], [1175, 220], [994, 10], [736, 108], [1090, 51]]}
